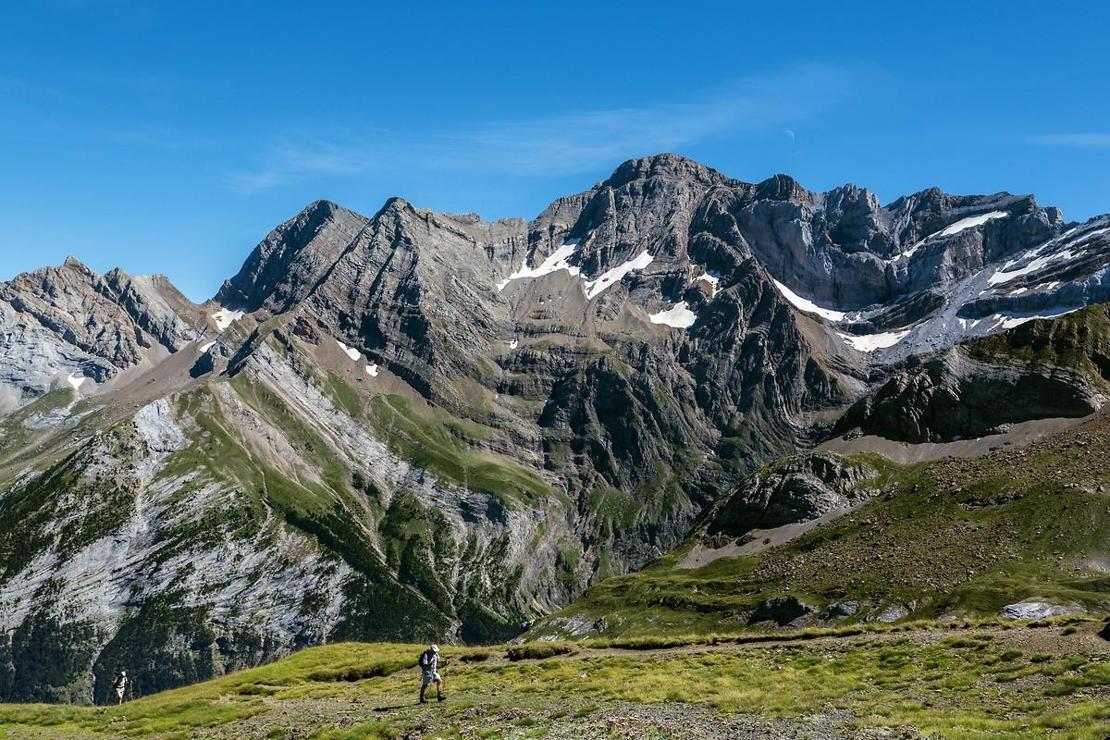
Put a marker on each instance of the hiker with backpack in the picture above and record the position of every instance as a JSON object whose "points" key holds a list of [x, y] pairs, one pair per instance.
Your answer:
{"points": [[119, 685], [429, 663]]}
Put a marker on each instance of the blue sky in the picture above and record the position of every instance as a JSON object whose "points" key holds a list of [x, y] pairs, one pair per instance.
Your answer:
{"points": [[170, 138]]}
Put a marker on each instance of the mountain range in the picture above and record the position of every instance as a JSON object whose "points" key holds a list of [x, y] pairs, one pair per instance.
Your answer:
{"points": [[427, 426]]}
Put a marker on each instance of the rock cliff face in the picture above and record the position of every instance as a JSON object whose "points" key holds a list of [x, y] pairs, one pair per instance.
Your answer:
{"points": [[795, 490], [1041, 369], [418, 425], [67, 325]]}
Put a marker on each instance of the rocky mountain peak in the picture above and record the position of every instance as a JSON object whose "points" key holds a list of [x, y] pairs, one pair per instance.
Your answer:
{"points": [[395, 204], [666, 166], [76, 264], [64, 324], [285, 266], [783, 187]]}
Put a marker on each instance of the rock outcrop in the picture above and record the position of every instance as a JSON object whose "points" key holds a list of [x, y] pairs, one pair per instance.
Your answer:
{"points": [[794, 490], [65, 325]]}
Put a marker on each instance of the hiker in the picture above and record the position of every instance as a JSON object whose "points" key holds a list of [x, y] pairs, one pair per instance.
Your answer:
{"points": [[429, 668], [120, 685]]}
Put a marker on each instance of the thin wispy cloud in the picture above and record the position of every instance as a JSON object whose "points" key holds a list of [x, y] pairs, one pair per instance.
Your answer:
{"points": [[1075, 140], [563, 143]]}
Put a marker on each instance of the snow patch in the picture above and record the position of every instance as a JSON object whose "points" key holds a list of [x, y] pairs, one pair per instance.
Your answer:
{"points": [[560, 260], [872, 342], [615, 275], [557, 260], [808, 306], [908, 253], [1036, 262], [225, 317], [956, 228], [372, 370], [513, 344], [1009, 321], [679, 316], [207, 346], [1005, 275], [969, 223], [351, 352], [714, 280], [75, 381]]}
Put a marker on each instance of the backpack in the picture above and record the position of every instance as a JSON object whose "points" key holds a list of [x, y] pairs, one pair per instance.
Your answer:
{"points": [[425, 661]]}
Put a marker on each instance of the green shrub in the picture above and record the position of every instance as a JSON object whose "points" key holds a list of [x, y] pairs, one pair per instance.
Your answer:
{"points": [[537, 651]]}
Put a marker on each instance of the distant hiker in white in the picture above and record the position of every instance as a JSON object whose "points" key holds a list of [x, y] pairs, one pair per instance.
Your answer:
{"points": [[429, 668], [119, 685]]}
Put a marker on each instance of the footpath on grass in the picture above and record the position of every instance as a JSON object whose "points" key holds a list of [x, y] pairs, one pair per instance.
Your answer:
{"points": [[997, 679]]}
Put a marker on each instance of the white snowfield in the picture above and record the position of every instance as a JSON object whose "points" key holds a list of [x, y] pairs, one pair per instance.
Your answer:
{"points": [[808, 306], [1010, 321], [557, 260], [351, 352], [679, 316], [969, 223], [963, 224], [714, 281], [872, 342], [1034, 261], [75, 380], [946, 327], [372, 370], [1004, 275], [225, 317], [207, 346], [615, 275], [513, 344], [560, 260]]}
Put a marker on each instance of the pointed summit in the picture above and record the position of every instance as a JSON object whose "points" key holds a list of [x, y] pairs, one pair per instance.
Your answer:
{"points": [[292, 257]]}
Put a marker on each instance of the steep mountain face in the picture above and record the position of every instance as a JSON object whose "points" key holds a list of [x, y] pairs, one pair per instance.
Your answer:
{"points": [[428, 426], [292, 259], [66, 325], [1041, 369], [953, 490]]}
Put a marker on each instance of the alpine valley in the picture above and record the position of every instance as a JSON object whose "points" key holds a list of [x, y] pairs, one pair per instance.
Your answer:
{"points": [[674, 402]]}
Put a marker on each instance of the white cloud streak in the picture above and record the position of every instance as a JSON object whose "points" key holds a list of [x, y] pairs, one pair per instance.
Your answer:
{"points": [[563, 143]]}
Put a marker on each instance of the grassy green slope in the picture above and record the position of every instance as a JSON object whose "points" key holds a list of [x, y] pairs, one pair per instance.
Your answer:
{"points": [[1078, 341], [325, 509], [987, 681], [951, 537], [446, 447]]}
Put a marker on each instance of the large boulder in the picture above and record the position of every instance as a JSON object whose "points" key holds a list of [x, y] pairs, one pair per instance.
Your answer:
{"points": [[1032, 609]]}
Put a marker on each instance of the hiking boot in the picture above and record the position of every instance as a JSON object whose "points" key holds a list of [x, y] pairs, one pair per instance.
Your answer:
{"points": [[441, 697]]}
